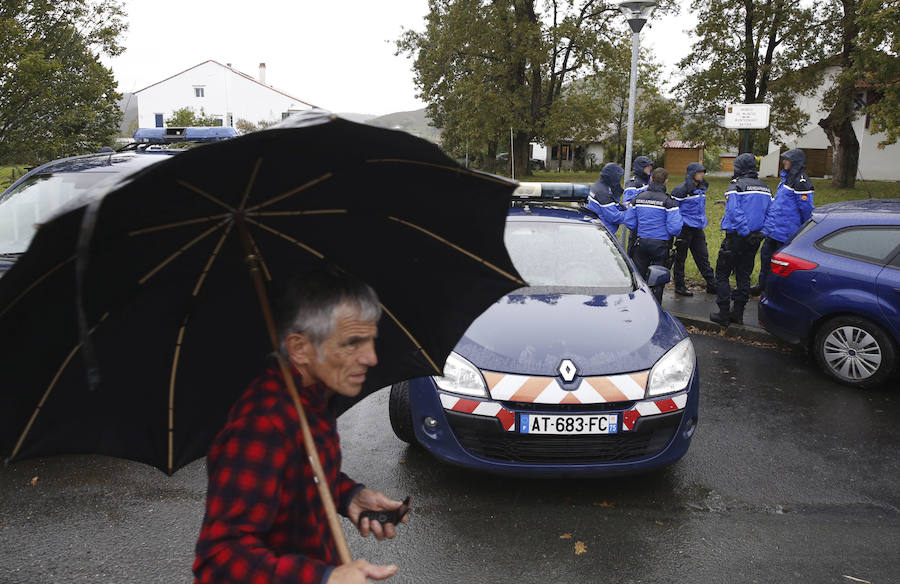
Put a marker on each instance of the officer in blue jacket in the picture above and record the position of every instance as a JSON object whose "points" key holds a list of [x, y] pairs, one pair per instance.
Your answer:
{"points": [[641, 169], [746, 202], [655, 219], [604, 197], [691, 198], [791, 208]]}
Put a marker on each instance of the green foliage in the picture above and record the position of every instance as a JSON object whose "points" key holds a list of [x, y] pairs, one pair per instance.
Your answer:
{"points": [[245, 127], [878, 46], [56, 97], [484, 67], [187, 117], [754, 52]]}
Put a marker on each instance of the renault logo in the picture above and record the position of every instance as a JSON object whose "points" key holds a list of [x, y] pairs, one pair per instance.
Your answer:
{"points": [[567, 370]]}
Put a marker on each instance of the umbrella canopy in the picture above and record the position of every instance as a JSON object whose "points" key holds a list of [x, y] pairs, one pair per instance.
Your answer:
{"points": [[172, 315]]}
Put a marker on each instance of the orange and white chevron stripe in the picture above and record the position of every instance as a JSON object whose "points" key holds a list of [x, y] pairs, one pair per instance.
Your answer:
{"points": [[546, 390]]}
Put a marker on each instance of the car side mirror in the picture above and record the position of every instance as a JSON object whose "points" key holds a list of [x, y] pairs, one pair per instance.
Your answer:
{"points": [[658, 275]]}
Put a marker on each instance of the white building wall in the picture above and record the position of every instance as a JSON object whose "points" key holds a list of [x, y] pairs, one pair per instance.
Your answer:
{"points": [[224, 92], [874, 163]]}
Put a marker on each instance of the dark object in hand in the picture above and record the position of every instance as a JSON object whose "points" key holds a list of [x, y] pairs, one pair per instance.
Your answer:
{"points": [[385, 517]]}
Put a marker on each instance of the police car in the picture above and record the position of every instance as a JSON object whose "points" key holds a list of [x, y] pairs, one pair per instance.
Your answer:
{"points": [[581, 372], [51, 188]]}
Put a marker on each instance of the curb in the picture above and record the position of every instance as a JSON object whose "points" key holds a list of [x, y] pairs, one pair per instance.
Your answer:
{"points": [[736, 331]]}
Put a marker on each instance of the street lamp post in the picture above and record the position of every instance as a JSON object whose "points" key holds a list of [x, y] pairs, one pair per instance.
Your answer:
{"points": [[637, 12]]}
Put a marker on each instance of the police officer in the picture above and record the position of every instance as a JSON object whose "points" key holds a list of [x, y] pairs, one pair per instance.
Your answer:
{"points": [[641, 168], [655, 219], [691, 198], [791, 208], [746, 202], [604, 197]]}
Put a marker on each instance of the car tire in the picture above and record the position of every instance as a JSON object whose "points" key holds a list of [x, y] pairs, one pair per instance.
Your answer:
{"points": [[400, 412], [837, 347]]}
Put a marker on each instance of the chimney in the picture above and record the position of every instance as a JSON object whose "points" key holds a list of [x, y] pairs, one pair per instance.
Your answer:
{"points": [[228, 65], [262, 73]]}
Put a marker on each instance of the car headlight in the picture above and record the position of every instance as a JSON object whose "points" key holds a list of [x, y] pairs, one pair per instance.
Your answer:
{"points": [[460, 376], [673, 370]]}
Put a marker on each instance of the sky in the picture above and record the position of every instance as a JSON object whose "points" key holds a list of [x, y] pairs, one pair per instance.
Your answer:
{"points": [[335, 54]]}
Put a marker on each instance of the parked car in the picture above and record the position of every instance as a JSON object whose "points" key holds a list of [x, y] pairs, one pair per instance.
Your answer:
{"points": [[533, 163], [581, 372], [836, 288], [48, 189]]}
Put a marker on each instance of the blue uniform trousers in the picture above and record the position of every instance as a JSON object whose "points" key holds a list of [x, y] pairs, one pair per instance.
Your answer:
{"points": [[648, 252], [737, 255], [692, 239]]}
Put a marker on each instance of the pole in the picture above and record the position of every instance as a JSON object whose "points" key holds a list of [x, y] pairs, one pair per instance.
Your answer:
{"points": [[632, 90], [308, 443], [512, 159]]}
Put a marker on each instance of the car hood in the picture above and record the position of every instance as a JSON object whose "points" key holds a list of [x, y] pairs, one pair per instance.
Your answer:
{"points": [[531, 331]]}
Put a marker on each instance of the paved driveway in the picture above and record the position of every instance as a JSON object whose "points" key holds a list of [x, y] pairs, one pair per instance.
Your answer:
{"points": [[791, 478]]}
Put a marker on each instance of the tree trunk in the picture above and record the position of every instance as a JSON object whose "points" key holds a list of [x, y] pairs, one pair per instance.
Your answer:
{"points": [[521, 143], [491, 162]]}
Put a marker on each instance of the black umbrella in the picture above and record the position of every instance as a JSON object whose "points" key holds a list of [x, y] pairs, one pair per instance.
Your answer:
{"points": [[168, 308]]}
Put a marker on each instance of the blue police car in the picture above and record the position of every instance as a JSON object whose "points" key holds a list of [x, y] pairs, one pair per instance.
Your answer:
{"points": [[49, 189], [836, 289], [581, 372]]}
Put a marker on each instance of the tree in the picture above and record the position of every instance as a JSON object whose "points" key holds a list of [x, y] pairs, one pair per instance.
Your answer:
{"points": [[485, 67], [245, 127], [752, 51], [878, 46], [187, 117], [56, 98]]}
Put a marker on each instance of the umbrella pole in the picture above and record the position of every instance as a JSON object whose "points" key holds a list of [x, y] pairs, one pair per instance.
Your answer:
{"points": [[309, 444]]}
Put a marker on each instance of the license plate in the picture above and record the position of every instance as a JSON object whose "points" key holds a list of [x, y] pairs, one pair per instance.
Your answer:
{"points": [[575, 424]]}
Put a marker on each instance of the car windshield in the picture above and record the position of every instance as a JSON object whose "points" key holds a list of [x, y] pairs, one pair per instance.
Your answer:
{"points": [[566, 254], [36, 200]]}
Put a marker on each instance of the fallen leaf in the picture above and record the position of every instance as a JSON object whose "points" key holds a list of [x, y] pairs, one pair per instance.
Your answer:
{"points": [[604, 504], [659, 522], [580, 548], [856, 579], [34, 481], [725, 371], [566, 536]]}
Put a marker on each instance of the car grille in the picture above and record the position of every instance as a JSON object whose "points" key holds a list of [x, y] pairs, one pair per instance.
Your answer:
{"points": [[485, 437]]}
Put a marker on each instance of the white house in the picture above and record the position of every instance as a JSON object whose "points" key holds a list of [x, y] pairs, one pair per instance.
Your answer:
{"points": [[221, 91], [874, 163]]}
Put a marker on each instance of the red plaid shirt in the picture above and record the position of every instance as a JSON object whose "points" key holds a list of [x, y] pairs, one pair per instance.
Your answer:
{"points": [[264, 520]]}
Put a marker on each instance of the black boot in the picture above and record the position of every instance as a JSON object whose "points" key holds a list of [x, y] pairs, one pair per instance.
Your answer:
{"points": [[756, 290], [723, 317], [683, 291], [737, 314]]}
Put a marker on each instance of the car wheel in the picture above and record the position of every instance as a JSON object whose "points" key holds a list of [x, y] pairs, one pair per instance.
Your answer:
{"points": [[400, 412], [855, 351]]}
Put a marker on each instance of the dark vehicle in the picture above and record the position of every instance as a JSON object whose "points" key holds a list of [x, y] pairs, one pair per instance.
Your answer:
{"points": [[582, 372], [50, 188], [836, 288]]}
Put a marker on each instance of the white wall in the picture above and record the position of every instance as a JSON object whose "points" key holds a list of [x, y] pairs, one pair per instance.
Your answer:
{"points": [[874, 163], [225, 92]]}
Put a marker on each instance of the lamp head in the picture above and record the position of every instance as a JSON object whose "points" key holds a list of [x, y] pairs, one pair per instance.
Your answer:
{"points": [[637, 8]]}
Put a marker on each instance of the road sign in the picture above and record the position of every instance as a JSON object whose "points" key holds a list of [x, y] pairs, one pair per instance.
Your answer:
{"points": [[747, 116]]}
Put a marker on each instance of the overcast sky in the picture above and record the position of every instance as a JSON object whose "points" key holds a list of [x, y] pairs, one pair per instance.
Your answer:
{"points": [[336, 54]]}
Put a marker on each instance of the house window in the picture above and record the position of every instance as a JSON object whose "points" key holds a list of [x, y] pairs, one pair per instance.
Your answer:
{"points": [[158, 120], [198, 92]]}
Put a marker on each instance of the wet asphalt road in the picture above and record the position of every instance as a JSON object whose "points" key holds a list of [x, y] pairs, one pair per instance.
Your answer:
{"points": [[790, 478]]}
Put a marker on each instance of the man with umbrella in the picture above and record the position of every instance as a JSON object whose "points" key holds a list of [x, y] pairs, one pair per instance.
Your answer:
{"points": [[264, 518]]}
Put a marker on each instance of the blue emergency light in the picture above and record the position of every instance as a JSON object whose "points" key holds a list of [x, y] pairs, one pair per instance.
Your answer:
{"points": [[548, 191], [191, 134]]}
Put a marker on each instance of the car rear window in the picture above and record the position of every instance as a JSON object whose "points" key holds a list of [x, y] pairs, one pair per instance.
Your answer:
{"points": [[566, 254], [37, 199], [870, 243]]}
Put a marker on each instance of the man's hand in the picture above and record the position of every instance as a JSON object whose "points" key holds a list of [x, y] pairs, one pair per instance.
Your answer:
{"points": [[359, 572], [369, 500]]}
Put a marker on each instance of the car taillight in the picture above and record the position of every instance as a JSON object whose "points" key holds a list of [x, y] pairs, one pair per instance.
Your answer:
{"points": [[783, 264]]}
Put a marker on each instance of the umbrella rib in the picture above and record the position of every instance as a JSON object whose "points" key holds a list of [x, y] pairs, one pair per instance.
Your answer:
{"points": [[455, 169], [50, 387], [293, 191], [203, 193], [34, 284], [179, 224], [459, 249], [412, 338], [212, 258], [287, 237], [296, 213], [250, 183], [183, 249]]}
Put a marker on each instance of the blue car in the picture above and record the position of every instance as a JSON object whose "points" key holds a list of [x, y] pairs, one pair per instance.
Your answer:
{"points": [[836, 289], [581, 373], [49, 189]]}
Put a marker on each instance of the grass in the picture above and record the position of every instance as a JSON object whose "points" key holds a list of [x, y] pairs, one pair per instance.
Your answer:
{"points": [[9, 174], [715, 205]]}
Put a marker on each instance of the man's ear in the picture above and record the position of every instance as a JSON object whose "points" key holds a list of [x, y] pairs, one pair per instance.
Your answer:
{"points": [[299, 349]]}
